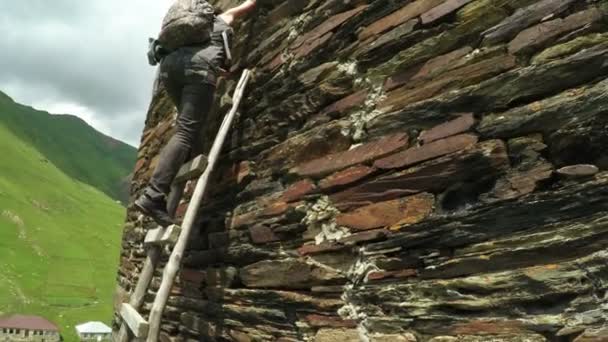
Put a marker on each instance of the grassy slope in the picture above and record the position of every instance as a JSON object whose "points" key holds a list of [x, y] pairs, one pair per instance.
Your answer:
{"points": [[59, 240], [73, 146]]}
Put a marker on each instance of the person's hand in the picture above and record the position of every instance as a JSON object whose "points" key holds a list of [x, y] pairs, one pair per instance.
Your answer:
{"points": [[238, 12], [249, 5]]}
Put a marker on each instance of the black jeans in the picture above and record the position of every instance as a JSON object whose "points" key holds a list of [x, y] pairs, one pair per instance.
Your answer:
{"points": [[190, 83]]}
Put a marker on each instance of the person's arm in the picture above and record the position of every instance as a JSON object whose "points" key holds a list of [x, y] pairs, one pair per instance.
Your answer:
{"points": [[237, 12]]}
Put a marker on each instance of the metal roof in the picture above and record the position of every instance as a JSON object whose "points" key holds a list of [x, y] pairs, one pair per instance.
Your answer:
{"points": [[27, 323], [93, 328]]}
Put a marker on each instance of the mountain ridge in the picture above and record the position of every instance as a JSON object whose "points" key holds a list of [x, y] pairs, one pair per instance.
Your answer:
{"points": [[74, 146]]}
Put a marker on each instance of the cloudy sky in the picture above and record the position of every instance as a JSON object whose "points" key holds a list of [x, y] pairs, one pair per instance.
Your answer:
{"points": [[81, 57]]}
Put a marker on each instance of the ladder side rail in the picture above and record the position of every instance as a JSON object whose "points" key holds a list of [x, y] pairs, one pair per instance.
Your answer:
{"points": [[174, 263], [137, 297], [152, 260]]}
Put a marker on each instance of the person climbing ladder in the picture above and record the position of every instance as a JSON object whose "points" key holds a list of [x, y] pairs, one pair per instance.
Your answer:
{"points": [[193, 50]]}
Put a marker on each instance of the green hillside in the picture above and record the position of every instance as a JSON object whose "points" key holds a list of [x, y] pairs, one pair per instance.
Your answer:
{"points": [[59, 239], [73, 146]]}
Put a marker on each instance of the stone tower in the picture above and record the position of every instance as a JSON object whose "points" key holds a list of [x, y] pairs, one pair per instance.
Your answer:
{"points": [[425, 170]]}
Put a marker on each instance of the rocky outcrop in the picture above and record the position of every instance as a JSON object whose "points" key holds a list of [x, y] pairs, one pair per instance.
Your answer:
{"points": [[427, 170]]}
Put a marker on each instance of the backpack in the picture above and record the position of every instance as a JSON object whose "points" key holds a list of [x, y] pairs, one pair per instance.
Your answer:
{"points": [[188, 22]]}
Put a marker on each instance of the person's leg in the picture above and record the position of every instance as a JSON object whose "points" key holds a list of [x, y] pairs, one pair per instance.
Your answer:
{"points": [[196, 101]]}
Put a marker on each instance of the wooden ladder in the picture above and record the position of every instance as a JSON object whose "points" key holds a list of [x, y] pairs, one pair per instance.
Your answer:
{"points": [[157, 239]]}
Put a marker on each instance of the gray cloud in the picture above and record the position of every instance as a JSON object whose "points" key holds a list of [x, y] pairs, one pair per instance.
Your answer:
{"points": [[85, 56]]}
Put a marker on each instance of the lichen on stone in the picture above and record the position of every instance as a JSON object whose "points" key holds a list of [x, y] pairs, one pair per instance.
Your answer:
{"points": [[321, 217]]}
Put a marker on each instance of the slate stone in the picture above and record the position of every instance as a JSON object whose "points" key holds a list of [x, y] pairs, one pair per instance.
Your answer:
{"points": [[309, 46], [242, 220], [277, 59], [442, 10], [413, 92], [472, 19], [513, 217], [400, 212], [319, 321], [519, 183], [494, 327], [366, 52], [407, 12], [524, 18], [317, 74], [337, 335], [538, 36], [261, 234], [323, 29], [304, 147], [286, 274], [461, 124], [567, 47], [275, 209], [285, 10], [406, 337], [381, 275], [426, 152], [298, 190], [449, 61], [293, 273], [485, 159], [268, 48], [547, 115], [322, 248], [345, 104], [529, 169], [593, 335], [345, 177], [536, 82], [365, 236], [495, 338], [578, 171], [361, 154]]}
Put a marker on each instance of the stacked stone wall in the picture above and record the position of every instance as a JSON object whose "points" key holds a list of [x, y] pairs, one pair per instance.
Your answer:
{"points": [[427, 170]]}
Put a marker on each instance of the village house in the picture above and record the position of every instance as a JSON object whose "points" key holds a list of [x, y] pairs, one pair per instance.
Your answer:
{"points": [[94, 331], [20, 328]]}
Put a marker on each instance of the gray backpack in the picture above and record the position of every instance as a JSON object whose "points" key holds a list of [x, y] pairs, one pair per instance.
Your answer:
{"points": [[188, 22]]}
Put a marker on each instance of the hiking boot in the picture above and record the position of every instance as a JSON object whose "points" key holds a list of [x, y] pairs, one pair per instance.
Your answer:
{"points": [[154, 207]]}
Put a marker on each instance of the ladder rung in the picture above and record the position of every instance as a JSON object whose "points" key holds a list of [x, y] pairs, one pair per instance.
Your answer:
{"points": [[162, 236], [192, 169], [134, 321]]}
